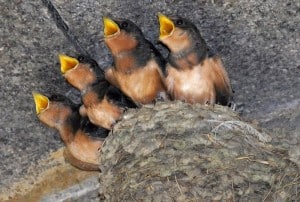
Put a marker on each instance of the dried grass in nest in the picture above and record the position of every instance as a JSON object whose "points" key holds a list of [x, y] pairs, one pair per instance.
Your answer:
{"points": [[181, 152]]}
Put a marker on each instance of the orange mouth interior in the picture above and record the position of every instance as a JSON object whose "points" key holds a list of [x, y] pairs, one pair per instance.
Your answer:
{"points": [[67, 63], [41, 102], [166, 26], [110, 27]]}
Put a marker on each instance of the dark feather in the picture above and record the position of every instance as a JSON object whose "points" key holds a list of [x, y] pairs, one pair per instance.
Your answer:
{"points": [[118, 98], [93, 130]]}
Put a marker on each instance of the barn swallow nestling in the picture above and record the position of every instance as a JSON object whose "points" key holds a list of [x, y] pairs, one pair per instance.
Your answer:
{"points": [[102, 103], [192, 76], [60, 113], [138, 67]]}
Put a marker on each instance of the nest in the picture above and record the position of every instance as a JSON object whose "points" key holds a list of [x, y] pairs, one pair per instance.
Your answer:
{"points": [[180, 152]]}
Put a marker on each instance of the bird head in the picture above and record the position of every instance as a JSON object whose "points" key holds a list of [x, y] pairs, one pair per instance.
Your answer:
{"points": [[56, 111], [177, 33], [80, 75], [121, 34]]}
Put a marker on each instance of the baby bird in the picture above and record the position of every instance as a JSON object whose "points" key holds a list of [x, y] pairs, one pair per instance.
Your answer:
{"points": [[138, 67], [192, 76], [103, 103], [60, 113]]}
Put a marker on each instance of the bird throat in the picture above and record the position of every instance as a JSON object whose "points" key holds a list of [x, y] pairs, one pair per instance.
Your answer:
{"points": [[187, 58], [127, 61], [67, 133]]}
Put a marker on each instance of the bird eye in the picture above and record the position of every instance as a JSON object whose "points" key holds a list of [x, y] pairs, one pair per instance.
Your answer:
{"points": [[57, 98], [80, 58], [179, 22], [54, 97], [124, 24]]}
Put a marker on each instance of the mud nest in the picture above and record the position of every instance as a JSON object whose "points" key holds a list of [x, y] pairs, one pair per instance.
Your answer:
{"points": [[181, 152]]}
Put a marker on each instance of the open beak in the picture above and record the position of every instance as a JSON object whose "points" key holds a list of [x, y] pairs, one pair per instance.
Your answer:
{"points": [[166, 26], [67, 63], [41, 102], [110, 27]]}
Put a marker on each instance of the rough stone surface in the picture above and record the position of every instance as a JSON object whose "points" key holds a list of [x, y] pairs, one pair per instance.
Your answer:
{"points": [[29, 44], [84, 191], [259, 42]]}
